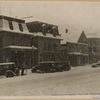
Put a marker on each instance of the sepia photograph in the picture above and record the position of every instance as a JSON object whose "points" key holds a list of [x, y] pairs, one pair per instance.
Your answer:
{"points": [[50, 49]]}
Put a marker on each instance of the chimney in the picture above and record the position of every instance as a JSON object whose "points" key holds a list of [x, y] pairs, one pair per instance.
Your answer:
{"points": [[66, 30]]}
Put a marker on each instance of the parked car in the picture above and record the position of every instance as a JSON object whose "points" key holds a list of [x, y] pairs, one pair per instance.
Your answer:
{"points": [[98, 63], [47, 66], [34, 70], [51, 66], [9, 69], [6, 66], [94, 65], [66, 66], [10, 73]]}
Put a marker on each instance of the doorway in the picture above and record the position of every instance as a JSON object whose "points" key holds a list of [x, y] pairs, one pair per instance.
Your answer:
{"points": [[18, 58]]}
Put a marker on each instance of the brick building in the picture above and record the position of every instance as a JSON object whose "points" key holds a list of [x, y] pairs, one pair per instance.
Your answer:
{"points": [[47, 41]]}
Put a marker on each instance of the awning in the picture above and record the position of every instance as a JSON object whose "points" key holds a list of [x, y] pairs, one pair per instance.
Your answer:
{"points": [[20, 47], [7, 63], [77, 53], [46, 62]]}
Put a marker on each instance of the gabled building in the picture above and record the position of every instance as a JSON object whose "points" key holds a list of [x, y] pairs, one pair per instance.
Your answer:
{"points": [[94, 48], [47, 41], [75, 49], [15, 40]]}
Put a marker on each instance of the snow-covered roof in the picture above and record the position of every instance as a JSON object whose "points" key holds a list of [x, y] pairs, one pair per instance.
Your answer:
{"points": [[77, 53], [7, 63], [70, 37], [20, 47], [39, 22], [4, 26], [48, 35], [12, 19]]}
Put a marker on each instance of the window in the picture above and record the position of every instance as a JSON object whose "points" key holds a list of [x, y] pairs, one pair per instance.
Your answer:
{"points": [[54, 31], [33, 41], [44, 29], [55, 46], [10, 25], [20, 27], [97, 42], [44, 46], [49, 47], [95, 49]]}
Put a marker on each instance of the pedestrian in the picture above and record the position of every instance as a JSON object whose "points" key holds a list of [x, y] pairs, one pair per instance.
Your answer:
{"points": [[17, 71], [22, 69], [68, 65]]}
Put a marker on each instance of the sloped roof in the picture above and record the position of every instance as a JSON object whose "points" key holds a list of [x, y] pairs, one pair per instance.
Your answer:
{"points": [[12, 19], [70, 37], [4, 26], [39, 22]]}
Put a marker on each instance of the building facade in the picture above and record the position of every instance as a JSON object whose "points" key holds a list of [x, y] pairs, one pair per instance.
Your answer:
{"points": [[15, 42], [76, 52], [47, 41], [27, 44], [94, 48]]}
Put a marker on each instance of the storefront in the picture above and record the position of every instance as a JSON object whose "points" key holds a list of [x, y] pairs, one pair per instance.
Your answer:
{"points": [[21, 55], [77, 58]]}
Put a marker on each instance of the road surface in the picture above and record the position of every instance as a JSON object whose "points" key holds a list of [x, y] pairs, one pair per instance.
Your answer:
{"points": [[79, 80]]}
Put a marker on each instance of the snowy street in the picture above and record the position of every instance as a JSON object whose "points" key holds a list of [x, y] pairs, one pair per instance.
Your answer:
{"points": [[79, 80]]}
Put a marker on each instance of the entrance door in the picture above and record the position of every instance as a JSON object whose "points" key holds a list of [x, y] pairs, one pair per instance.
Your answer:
{"points": [[18, 58]]}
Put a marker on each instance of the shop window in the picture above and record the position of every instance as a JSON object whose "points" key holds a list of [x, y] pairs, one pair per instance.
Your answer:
{"points": [[20, 27], [11, 25]]}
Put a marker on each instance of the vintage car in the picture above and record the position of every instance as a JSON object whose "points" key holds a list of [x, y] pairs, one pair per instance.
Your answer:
{"points": [[46, 66], [96, 64], [8, 69], [51, 66]]}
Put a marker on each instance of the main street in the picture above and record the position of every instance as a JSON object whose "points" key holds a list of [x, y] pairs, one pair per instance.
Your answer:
{"points": [[79, 80]]}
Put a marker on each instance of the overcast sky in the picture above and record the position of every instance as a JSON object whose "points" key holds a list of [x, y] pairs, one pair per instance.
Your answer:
{"points": [[75, 16]]}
